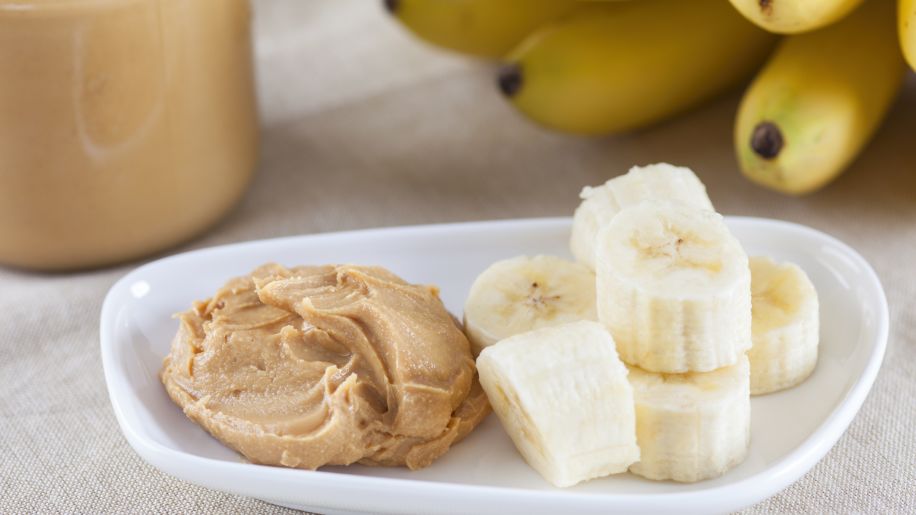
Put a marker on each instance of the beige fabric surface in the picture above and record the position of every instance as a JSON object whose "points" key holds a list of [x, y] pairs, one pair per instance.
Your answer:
{"points": [[366, 127]]}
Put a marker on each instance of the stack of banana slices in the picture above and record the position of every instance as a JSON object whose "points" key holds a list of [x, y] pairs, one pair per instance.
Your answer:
{"points": [[642, 354]]}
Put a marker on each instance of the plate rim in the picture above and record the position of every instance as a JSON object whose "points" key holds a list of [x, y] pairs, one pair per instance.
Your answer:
{"points": [[747, 491]]}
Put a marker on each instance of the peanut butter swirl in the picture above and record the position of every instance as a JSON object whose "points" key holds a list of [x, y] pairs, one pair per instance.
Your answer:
{"points": [[326, 365]]}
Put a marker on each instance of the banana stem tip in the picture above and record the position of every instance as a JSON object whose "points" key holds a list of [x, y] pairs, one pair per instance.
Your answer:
{"points": [[767, 140], [509, 79]]}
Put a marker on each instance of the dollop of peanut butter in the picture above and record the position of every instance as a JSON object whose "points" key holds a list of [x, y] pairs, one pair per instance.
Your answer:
{"points": [[326, 365]]}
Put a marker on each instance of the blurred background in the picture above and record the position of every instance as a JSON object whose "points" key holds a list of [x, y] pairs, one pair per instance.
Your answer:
{"points": [[355, 102], [352, 102], [363, 124]]}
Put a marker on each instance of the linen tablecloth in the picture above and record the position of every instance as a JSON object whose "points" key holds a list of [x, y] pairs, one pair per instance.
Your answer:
{"points": [[364, 126]]}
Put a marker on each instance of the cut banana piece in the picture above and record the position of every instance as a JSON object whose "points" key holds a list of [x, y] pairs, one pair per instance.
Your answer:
{"points": [[674, 288], [600, 204], [691, 427], [524, 293], [785, 326], [563, 397]]}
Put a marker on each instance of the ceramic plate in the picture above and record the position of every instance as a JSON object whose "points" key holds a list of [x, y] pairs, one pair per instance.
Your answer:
{"points": [[790, 430]]}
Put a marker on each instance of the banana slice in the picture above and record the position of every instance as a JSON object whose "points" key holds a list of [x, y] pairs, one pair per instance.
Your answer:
{"points": [[600, 204], [524, 293], [562, 395], [785, 326], [691, 427], [674, 288]]}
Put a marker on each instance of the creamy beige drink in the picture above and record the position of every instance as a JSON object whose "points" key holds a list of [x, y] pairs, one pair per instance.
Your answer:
{"points": [[126, 126]]}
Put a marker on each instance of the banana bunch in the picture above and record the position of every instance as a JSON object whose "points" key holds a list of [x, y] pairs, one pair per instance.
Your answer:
{"points": [[608, 67], [643, 355], [819, 100], [605, 67]]}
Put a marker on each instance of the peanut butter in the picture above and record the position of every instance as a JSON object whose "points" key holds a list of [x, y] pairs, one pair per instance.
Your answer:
{"points": [[126, 126], [326, 365]]}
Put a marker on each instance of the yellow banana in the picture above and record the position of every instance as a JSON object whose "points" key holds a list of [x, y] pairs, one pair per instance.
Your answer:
{"points": [[819, 100], [486, 28], [906, 26], [612, 67], [794, 16]]}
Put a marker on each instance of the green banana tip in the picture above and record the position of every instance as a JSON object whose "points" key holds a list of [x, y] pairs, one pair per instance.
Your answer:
{"points": [[509, 79], [767, 140], [391, 5]]}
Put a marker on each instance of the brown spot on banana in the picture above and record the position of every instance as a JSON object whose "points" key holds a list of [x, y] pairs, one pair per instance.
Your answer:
{"points": [[766, 6]]}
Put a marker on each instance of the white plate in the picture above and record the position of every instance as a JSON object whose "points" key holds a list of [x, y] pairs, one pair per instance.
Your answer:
{"points": [[791, 430]]}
